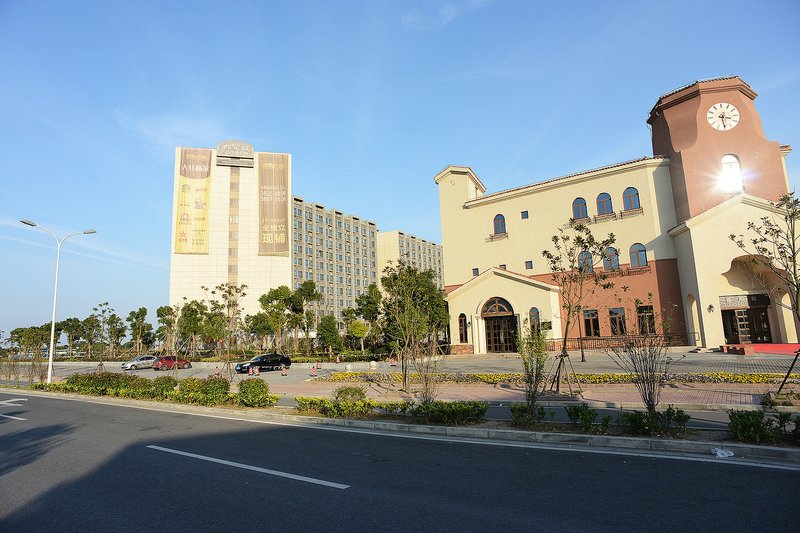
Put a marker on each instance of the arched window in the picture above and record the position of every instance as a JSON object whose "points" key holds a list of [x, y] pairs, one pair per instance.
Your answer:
{"points": [[579, 209], [638, 256], [604, 204], [462, 328], [585, 261], [533, 316], [499, 225], [630, 199], [611, 259], [731, 177], [497, 306]]}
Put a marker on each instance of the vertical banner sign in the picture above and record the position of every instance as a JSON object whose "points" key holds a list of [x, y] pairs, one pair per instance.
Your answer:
{"points": [[273, 210], [191, 215]]}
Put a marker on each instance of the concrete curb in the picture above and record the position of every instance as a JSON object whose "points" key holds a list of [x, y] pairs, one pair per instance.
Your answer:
{"points": [[741, 451]]}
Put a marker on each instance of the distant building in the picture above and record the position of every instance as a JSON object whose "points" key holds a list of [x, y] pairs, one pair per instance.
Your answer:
{"points": [[671, 213], [235, 221], [416, 252]]}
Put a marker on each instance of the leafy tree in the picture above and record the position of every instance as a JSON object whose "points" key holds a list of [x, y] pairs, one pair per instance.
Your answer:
{"points": [[358, 330], [90, 332], [415, 312], [309, 323], [191, 323], [572, 263], [368, 307], [259, 326], [72, 328], [276, 306], [305, 294], [115, 331], [140, 328], [532, 349], [773, 247], [328, 334], [167, 317]]}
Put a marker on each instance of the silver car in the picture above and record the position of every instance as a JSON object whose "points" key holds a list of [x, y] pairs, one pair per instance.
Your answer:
{"points": [[143, 361]]}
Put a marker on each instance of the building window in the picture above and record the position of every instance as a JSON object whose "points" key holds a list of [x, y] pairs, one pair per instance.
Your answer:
{"points": [[533, 316], [524, 215], [502, 267], [638, 256], [579, 210], [585, 261], [616, 316], [475, 271], [646, 319], [731, 174], [604, 204], [528, 265], [611, 259], [499, 225], [591, 323], [462, 328], [630, 199]]}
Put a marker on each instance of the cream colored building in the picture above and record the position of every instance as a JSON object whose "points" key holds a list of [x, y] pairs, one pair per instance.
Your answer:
{"points": [[670, 214], [226, 203], [414, 251]]}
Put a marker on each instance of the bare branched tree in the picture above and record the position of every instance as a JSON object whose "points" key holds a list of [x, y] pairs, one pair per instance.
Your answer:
{"points": [[772, 245]]}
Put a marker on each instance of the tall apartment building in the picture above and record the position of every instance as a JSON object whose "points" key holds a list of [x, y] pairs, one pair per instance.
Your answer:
{"points": [[231, 220], [235, 221], [335, 250], [419, 253]]}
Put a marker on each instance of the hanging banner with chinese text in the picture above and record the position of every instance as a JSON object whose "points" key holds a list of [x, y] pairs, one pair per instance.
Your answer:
{"points": [[273, 209], [191, 213]]}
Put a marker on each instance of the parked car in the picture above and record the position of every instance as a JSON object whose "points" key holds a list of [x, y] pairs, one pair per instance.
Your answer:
{"points": [[267, 361], [143, 361], [168, 361]]}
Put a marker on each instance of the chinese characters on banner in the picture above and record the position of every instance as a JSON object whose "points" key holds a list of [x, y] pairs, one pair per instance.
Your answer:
{"points": [[191, 215], [273, 209]]}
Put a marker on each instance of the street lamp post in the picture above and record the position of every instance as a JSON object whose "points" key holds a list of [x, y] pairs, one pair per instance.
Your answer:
{"points": [[59, 242]]}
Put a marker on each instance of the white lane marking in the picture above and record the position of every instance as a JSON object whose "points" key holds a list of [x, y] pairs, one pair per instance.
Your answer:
{"points": [[535, 445], [12, 417], [10, 403], [250, 467]]}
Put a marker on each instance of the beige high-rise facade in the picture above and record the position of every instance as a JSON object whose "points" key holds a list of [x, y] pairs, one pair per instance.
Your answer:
{"points": [[335, 250], [416, 252], [231, 220]]}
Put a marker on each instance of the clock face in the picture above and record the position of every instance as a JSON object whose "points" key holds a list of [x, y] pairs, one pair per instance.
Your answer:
{"points": [[722, 116]]}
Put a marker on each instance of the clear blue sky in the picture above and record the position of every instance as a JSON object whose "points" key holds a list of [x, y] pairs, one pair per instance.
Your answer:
{"points": [[372, 99]]}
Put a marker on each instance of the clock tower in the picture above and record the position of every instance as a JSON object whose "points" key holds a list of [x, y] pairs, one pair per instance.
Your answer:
{"points": [[712, 134]]}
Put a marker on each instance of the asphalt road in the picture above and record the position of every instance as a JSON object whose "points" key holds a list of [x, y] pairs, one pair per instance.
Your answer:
{"points": [[80, 466]]}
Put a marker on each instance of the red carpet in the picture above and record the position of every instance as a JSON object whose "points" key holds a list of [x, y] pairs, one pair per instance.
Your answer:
{"points": [[781, 349]]}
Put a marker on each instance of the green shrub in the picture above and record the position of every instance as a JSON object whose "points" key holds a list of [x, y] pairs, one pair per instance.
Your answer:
{"points": [[102, 384], [520, 415], [671, 422], [753, 426], [398, 407], [336, 408], [581, 414], [454, 413], [349, 392], [163, 386], [306, 403], [254, 392], [213, 390]]}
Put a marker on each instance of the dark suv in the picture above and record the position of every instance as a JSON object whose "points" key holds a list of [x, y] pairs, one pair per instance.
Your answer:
{"points": [[269, 361]]}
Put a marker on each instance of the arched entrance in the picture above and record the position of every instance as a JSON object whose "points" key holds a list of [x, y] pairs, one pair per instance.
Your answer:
{"points": [[501, 326]]}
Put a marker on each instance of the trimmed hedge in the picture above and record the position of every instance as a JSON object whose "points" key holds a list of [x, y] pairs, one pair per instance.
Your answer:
{"points": [[452, 413], [214, 390]]}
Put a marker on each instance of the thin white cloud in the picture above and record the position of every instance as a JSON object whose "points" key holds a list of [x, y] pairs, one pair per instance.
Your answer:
{"points": [[437, 14], [162, 134]]}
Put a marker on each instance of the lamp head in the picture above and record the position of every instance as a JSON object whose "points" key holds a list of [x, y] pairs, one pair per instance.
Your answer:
{"points": [[89, 231], [29, 223]]}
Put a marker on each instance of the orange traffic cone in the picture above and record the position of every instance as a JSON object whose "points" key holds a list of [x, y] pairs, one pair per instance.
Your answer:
{"points": [[283, 371], [313, 371], [249, 370], [257, 371], [319, 365], [338, 360], [216, 371]]}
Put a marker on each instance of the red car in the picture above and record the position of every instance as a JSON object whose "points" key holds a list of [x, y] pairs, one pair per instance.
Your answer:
{"points": [[168, 362]]}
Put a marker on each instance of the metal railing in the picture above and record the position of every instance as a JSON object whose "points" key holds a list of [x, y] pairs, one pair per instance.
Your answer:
{"points": [[618, 341]]}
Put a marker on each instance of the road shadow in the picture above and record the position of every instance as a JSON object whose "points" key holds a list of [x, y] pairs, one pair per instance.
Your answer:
{"points": [[22, 447]]}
